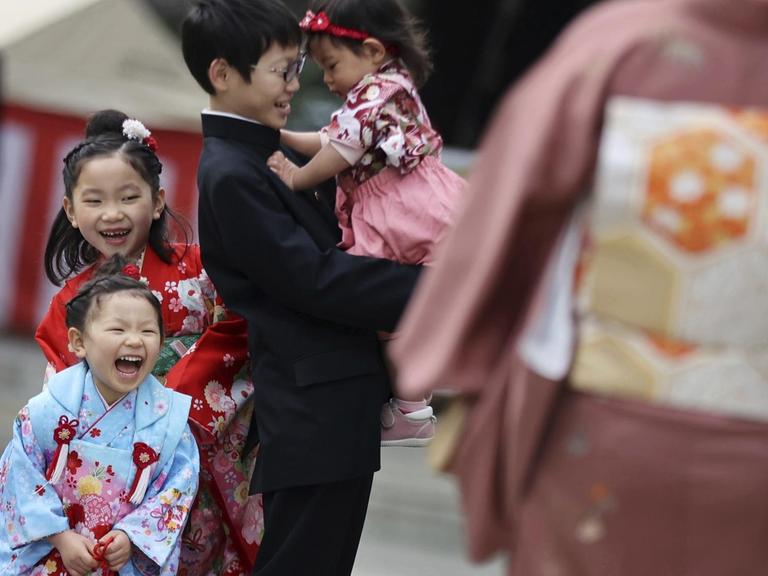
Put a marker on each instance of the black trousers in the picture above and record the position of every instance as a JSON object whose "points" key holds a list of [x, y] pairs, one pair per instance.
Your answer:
{"points": [[313, 530]]}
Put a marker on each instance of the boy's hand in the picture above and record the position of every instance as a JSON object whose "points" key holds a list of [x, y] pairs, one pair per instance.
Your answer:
{"points": [[75, 552], [118, 552], [283, 167]]}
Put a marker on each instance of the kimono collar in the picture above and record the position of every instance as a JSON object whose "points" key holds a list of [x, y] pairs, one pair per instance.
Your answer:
{"points": [[393, 70], [153, 400], [67, 386]]}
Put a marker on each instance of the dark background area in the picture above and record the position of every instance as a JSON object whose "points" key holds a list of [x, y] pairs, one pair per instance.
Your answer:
{"points": [[479, 48]]}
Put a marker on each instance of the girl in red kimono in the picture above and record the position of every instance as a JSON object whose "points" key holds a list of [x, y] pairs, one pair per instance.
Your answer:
{"points": [[113, 203]]}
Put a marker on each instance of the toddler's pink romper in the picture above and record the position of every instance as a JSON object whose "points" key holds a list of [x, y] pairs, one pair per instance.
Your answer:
{"points": [[397, 199]]}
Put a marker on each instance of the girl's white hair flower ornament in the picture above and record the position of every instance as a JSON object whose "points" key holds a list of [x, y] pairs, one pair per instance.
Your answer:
{"points": [[134, 130]]}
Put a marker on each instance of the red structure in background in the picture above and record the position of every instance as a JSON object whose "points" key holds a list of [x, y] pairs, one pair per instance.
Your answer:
{"points": [[33, 143]]}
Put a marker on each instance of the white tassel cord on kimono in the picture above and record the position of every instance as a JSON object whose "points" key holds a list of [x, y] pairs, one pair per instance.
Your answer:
{"points": [[143, 457]]}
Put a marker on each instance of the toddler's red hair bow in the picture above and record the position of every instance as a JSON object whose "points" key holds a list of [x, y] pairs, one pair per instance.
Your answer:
{"points": [[321, 23]]}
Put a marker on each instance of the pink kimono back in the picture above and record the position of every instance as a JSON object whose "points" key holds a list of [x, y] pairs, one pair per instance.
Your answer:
{"points": [[640, 444]]}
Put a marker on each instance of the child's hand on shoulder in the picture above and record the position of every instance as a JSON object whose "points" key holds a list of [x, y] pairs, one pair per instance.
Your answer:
{"points": [[76, 552], [118, 549], [283, 167]]}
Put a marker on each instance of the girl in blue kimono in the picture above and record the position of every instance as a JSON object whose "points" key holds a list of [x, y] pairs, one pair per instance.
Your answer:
{"points": [[102, 468]]}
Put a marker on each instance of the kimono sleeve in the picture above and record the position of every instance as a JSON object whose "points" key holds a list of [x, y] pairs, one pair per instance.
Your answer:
{"points": [[31, 509], [214, 372], [156, 525]]}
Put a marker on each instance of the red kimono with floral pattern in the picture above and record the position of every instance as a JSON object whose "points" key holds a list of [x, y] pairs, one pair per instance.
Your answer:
{"points": [[205, 356]]}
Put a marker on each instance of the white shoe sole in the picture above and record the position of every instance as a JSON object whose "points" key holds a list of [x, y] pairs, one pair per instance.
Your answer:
{"points": [[408, 442], [419, 415]]}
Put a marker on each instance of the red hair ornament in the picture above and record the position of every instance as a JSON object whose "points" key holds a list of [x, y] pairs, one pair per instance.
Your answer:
{"points": [[321, 23]]}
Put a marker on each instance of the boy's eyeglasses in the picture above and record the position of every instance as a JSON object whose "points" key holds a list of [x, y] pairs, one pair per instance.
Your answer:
{"points": [[291, 71]]}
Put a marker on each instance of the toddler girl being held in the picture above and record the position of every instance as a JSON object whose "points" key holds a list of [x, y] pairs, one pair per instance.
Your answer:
{"points": [[395, 199]]}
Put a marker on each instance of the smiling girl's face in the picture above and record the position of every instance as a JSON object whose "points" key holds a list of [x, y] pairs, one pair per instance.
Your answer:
{"points": [[113, 206], [121, 342]]}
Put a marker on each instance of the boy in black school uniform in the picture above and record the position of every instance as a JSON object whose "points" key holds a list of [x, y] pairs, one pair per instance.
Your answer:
{"points": [[312, 310]]}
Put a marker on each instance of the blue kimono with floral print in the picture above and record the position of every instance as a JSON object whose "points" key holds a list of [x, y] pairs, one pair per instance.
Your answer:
{"points": [[90, 497]]}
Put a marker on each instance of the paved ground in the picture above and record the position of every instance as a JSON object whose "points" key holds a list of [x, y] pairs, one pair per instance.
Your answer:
{"points": [[413, 526]]}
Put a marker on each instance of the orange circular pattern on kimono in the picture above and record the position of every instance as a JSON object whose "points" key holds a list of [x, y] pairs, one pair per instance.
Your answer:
{"points": [[700, 191]]}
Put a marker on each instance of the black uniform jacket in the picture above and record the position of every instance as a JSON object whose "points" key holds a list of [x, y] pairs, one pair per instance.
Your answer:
{"points": [[312, 310]]}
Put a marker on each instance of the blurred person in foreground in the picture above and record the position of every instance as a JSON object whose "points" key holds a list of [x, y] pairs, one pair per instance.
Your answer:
{"points": [[600, 307]]}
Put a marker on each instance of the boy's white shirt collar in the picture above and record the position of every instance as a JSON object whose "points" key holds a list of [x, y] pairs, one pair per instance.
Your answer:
{"points": [[229, 115]]}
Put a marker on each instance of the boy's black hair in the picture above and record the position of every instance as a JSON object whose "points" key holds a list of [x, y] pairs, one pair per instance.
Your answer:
{"points": [[67, 251], [239, 31], [108, 279], [386, 20]]}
